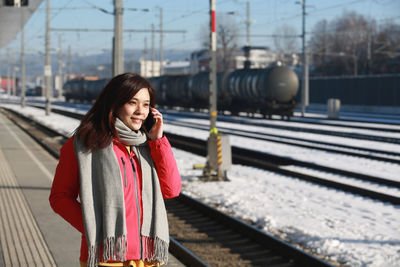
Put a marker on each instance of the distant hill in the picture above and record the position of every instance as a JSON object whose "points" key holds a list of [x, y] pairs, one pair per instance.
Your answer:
{"points": [[96, 64]]}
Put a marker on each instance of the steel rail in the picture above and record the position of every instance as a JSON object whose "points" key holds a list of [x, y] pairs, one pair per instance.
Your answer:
{"points": [[301, 129], [292, 141], [288, 254], [271, 162], [237, 132]]}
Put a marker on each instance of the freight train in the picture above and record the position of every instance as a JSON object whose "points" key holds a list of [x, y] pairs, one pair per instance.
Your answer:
{"points": [[83, 90], [265, 91]]}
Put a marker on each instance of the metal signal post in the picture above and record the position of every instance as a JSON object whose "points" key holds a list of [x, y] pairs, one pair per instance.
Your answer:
{"points": [[118, 52], [218, 148], [304, 86], [47, 63], [213, 70]]}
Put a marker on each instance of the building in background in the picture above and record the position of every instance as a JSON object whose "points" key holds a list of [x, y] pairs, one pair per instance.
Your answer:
{"points": [[260, 57], [4, 84], [145, 67], [199, 61], [177, 67]]}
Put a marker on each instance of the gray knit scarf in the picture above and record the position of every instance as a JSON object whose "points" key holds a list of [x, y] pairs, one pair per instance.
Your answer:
{"points": [[103, 206]]}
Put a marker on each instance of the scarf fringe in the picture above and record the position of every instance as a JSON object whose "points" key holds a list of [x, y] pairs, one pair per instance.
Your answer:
{"points": [[155, 249], [93, 258], [114, 249]]}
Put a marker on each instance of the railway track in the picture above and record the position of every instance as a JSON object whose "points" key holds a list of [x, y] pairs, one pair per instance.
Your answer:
{"points": [[278, 164], [200, 234], [221, 240], [362, 117], [346, 123], [375, 154], [273, 163], [305, 129], [370, 137], [363, 152]]}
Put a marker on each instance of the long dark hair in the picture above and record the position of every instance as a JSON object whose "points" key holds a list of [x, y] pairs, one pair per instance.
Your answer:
{"points": [[97, 127]]}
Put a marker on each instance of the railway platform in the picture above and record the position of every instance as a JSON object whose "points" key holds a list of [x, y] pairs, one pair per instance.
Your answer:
{"points": [[31, 234]]}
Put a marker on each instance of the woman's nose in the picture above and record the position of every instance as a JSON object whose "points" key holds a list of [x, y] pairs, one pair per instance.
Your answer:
{"points": [[139, 109]]}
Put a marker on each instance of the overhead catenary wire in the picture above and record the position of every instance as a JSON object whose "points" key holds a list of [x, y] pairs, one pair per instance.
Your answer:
{"points": [[202, 11]]}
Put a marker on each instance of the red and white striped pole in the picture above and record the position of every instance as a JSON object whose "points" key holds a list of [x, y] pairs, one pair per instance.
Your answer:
{"points": [[213, 71], [211, 171]]}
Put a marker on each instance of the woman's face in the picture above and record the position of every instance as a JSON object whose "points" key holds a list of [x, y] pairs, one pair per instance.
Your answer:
{"points": [[135, 111]]}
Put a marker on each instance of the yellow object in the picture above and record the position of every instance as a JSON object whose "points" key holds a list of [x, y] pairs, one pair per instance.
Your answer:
{"points": [[214, 130], [214, 113], [199, 166]]}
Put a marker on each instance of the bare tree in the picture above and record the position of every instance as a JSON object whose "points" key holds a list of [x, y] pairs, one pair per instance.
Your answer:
{"points": [[386, 49], [344, 45], [320, 47], [227, 36], [286, 39], [352, 31], [227, 32]]}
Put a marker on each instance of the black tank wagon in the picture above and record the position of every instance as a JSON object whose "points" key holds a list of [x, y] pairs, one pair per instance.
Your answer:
{"points": [[265, 91]]}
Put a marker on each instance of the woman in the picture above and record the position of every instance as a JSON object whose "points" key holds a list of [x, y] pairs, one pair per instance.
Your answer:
{"points": [[121, 167]]}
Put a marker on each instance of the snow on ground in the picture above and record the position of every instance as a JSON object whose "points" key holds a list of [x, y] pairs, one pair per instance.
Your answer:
{"points": [[346, 228], [303, 135], [352, 163], [350, 229], [300, 123]]}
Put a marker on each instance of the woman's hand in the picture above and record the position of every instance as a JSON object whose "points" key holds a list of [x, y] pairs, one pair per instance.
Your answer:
{"points": [[156, 131]]}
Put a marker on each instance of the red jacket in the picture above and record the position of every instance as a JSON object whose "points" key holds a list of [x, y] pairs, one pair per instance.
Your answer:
{"points": [[65, 189]]}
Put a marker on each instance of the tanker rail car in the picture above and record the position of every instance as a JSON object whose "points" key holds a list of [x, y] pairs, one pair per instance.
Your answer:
{"points": [[265, 91], [83, 90]]}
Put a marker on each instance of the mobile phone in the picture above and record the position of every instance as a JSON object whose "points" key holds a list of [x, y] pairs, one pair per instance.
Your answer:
{"points": [[149, 122]]}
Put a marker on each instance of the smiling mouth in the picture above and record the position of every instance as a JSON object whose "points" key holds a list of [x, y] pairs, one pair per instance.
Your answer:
{"points": [[136, 120]]}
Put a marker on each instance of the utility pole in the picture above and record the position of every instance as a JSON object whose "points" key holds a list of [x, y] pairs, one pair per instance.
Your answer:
{"points": [[1, 67], [248, 24], [14, 77], [369, 67], [145, 57], [69, 64], [8, 73], [219, 156], [161, 42], [23, 83], [133, 68], [60, 66], [247, 63], [152, 50], [304, 91], [118, 58], [47, 62], [213, 69]]}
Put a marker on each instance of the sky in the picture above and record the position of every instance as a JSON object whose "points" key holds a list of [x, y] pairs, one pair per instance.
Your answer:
{"points": [[191, 16], [346, 228]]}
